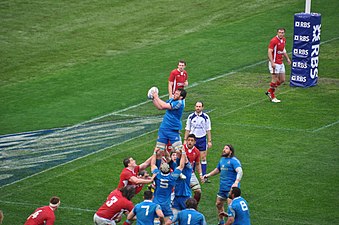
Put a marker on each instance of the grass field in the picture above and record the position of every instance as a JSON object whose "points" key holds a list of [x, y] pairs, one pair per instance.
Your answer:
{"points": [[65, 63]]}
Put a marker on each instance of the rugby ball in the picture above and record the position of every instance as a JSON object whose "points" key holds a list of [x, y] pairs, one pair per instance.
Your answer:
{"points": [[151, 91]]}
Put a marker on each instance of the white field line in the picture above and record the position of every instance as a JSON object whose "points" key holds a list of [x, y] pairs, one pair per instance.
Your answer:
{"points": [[35, 205], [326, 126]]}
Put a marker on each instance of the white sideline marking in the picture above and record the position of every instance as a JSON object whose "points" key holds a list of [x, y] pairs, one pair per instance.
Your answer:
{"points": [[326, 126]]}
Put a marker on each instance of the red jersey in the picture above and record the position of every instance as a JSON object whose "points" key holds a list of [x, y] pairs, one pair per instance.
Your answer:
{"points": [[178, 78], [125, 175], [114, 205], [41, 216], [193, 155], [278, 46]]}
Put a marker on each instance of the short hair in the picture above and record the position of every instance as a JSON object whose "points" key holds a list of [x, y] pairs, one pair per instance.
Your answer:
{"points": [[164, 168], [183, 92], [236, 191], [202, 104], [128, 191], [148, 195], [191, 203], [182, 61], [192, 136], [281, 28], [126, 161]]}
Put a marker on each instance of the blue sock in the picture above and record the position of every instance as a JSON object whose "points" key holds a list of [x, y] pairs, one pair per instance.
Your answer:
{"points": [[203, 167]]}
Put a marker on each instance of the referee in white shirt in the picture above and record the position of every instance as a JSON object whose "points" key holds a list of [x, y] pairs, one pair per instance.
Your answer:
{"points": [[199, 124]]}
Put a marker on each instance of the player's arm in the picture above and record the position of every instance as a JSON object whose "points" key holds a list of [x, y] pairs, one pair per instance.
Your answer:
{"points": [[239, 176], [145, 164], [199, 170], [209, 139], [137, 180], [212, 173], [160, 104], [161, 216], [287, 57], [270, 57], [153, 160], [183, 159], [170, 89], [230, 220]]}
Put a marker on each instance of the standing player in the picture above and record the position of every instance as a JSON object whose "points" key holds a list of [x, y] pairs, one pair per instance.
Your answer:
{"points": [[231, 173], [178, 79], [169, 130], [165, 182], [276, 53], [129, 175], [44, 215], [145, 211], [199, 124], [193, 155], [118, 202], [190, 215], [238, 212]]}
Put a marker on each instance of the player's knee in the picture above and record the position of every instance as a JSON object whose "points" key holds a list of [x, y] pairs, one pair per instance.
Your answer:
{"points": [[161, 146], [177, 146]]}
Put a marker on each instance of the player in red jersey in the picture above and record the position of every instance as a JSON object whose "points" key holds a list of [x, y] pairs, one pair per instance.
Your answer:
{"points": [[276, 53], [193, 155], [130, 174], [117, 203], [178, 78], [44, 215]]}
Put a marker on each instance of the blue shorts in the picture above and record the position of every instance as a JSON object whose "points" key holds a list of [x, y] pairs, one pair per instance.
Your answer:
{"points": [[201, 144], [165, 135], [166, 209], [179, 202], [223, 194]]}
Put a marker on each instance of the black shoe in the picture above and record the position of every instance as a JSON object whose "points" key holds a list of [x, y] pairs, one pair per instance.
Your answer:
{"points": [[207, 180]]}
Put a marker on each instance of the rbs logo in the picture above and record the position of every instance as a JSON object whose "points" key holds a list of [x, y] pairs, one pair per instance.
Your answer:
{"points": [[315, 51], [302, 24]]}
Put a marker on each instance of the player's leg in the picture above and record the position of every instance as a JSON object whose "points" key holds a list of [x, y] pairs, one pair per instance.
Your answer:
{"points": [[220, 208], [196, 188], [274, 78]]}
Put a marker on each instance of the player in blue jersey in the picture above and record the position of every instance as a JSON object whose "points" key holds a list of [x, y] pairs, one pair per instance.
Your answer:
{"points": [[169, 130], [165, 182], [231, 173], [182, 190], [238, 212], [145, 211], [190, 215]]}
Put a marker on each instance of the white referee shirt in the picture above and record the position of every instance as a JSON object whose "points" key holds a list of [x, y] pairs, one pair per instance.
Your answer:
{"points": [[198, 124]]}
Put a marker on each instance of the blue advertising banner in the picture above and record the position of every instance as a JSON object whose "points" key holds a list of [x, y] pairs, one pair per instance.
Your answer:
{"points": [[305, 53]]}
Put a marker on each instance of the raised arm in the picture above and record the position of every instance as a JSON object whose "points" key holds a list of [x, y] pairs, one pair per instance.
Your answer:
{"points": [[160, 104]]}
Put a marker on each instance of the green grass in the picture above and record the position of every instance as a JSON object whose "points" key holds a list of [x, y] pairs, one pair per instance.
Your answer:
{"points": [[65, 62]]}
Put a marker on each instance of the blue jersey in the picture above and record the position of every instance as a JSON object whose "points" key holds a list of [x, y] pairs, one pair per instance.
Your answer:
{"points": [[190, 216], [146, 212], [164, 184], [228, 175], [239, 210], [172, 117], [182, 186]]}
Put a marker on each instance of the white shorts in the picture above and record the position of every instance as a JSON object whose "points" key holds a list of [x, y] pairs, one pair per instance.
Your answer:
{"points": [[102, 221], [194, 182], [279, 68]]}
